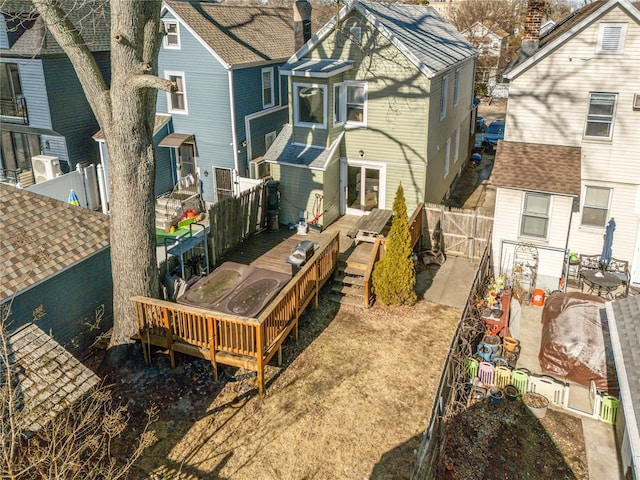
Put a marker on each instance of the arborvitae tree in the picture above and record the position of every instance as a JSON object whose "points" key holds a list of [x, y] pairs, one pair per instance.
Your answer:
{"points": [[394, 277]]}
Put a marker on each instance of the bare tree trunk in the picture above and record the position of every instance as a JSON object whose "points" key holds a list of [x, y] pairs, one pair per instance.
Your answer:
{"points": [[126, 115]]}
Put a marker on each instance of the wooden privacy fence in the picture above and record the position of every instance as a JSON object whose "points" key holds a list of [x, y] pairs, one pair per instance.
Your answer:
{"points": [[234, 340], [457, 231], [415, 229], [234, 219]]}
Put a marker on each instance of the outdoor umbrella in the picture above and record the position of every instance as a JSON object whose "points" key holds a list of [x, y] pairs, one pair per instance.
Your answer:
{"points": [[73, 199], [605, 256]]}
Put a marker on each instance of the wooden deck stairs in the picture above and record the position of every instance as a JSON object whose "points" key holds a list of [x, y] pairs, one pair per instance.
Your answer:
{"points": [[347, 285]]}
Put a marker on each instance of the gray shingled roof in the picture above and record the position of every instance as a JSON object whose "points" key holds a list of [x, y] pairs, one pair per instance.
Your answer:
{"points": [[50, 378], [91, 18], [284, 150], [535, 167], [42, 236], [240, 34], [422, 33], [627, 330]]}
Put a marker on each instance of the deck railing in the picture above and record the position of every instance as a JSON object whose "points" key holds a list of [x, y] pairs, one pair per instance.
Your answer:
{"points": [[233, 340], [415, 229]]}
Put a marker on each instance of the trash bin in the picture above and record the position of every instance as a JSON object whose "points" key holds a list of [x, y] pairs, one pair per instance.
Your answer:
{"points": [[300, 254]]}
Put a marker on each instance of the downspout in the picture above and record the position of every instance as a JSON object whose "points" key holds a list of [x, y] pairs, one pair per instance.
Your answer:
{"points": [[566, 250], [234, 142]]}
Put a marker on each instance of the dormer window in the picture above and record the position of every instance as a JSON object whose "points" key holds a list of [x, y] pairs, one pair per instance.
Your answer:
{"points": [[611, 38], [172, 34]]}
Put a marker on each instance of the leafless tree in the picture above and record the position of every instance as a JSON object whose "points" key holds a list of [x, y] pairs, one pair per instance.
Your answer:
{"points": [[125, 110]]}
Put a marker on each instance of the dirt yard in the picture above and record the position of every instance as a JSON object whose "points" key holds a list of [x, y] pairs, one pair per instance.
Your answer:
{"points": [[352, 401]]}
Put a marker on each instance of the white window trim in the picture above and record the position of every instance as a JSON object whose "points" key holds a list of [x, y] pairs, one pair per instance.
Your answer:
{"points": [[343, 86], [456, 145], [342, 105], [456, 88], [623, 36], [271, 135], [447, 156], [170, 109], [444, 89], [584, 196], [296, 105], [272, 86], [549, 210], [165, 44], [613, 117]]}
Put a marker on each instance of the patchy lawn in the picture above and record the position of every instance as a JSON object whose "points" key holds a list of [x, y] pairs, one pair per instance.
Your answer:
{"points": [[352, 401]]}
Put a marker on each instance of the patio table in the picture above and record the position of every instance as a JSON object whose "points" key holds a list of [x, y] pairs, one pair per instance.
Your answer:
{"points": [[369, 227], [599, 282]]}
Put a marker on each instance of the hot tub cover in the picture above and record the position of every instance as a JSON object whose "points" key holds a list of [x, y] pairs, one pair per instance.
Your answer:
{"points": [[575, 342]]}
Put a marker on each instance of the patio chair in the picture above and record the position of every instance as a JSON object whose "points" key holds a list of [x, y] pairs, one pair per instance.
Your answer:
{"points": [[587, 262], [620, 268], [485, 373]]}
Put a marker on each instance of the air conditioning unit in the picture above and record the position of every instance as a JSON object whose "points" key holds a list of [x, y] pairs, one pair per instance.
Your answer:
{"points": [[258, 168], [45, 167], [636, 101]]}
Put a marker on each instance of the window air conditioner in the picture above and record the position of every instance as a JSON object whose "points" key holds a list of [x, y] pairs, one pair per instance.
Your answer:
{"points": [[636, 101], [45, 167], [258, 168]]}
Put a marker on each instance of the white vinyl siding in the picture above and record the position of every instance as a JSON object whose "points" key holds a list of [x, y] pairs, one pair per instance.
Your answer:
{"points": [[177, 101], [602, 109], [535, 215], [171, 34], [595, 211], [611, 38], [267, 87]]}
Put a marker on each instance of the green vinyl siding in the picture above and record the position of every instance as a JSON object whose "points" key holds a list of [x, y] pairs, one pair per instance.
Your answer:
{"points": [[298, 186], [331, 192], [69, 301]]}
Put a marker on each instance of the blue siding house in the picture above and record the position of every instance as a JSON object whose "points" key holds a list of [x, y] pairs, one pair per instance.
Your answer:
{"points": [[230, 103], [56, 267], [43, 109]]}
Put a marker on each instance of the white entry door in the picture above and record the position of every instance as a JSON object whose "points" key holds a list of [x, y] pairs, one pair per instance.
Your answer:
{"points": [[363, 186]]}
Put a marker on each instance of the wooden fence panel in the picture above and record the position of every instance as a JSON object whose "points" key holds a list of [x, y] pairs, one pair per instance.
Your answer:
{"points": [[457, 231]]}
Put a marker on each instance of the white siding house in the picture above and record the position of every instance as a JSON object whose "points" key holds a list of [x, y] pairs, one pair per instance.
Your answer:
{"points": [[576, 88]]}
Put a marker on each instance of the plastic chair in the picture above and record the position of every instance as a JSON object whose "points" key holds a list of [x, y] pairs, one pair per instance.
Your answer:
{"points": [[485, 373], [471, 366], [501, 376], [609, 409], [520, 380]]}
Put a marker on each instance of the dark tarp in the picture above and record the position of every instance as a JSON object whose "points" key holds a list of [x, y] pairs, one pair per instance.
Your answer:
{"points": [[575, 342]]}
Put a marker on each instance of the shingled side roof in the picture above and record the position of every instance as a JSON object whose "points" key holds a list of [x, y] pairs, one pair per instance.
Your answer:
{"points": [[539, 168], [92, 19], [42, 236], [240, 35]]}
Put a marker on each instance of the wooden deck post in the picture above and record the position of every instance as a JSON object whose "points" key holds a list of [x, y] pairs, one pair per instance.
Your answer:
{"points": [[260, 359], [211, 335], [165, 320]]}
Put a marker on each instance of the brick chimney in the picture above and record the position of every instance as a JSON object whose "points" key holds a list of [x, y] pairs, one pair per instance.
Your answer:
{"points": [[301, 23], [532, 22]]}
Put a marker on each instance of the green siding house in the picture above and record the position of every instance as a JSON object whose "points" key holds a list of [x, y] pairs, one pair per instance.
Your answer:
{"points": [[381, 95]]}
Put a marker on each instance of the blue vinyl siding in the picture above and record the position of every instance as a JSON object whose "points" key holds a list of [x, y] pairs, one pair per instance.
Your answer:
{"points": [[71, 115], [247, 88], [34, 91], [165, 166], [209, 110], [4, 40], [69, 300]]}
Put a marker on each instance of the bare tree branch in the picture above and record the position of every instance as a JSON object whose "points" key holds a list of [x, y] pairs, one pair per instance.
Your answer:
{"points": [[152, 81]]}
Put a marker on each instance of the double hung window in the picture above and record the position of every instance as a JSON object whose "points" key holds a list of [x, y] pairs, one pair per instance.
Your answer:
{"points": [[350, 103], [171, 34], [535, 215], [602, 108], [596, 206], [177, 101]]}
